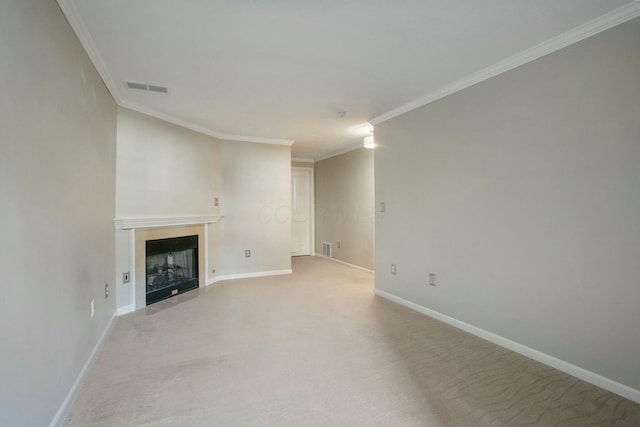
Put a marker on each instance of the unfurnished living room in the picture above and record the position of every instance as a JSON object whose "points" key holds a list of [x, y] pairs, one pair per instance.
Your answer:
{"points": [[365, 213]]}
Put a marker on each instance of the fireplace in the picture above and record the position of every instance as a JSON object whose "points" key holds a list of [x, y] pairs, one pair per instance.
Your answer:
{"points": [[171, 267]]}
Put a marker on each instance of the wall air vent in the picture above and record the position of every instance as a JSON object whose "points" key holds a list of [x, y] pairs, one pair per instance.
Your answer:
{"points": [[144, 86], [326, 249]]}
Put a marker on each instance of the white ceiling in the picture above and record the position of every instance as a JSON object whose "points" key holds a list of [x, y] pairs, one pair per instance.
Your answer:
{"points": [[280, 71]]}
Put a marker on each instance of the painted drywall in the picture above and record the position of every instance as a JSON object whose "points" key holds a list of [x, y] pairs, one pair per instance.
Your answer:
{"points": [[345, 206], [163, 170], [124, 264], [256, 183], [521, 194], [166, 170], [57, 190]]}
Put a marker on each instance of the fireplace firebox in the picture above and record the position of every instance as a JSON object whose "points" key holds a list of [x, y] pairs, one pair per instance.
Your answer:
{"points": [[172, 267]]}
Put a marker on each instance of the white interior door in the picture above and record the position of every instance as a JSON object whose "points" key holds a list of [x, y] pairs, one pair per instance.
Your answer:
{"points": [[301, 211]]}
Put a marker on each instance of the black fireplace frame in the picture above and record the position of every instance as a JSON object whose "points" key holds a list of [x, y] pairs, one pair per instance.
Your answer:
{"points": [[173, 244]]}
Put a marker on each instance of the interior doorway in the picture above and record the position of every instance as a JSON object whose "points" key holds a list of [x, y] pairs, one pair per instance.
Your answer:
{"points": [[302, 212]]}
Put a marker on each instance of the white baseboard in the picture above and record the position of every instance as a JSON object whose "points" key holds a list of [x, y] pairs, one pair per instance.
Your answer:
{"points": [[131, 307], [126, 309], [345, 263], [561, 365], [248, 275], [62, 413]]}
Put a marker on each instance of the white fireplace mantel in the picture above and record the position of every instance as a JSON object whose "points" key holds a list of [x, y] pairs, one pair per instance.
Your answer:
{"points": [[174, 221]]}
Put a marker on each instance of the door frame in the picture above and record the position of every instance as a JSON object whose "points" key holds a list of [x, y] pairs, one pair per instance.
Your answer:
{"points": [[312, 208]]}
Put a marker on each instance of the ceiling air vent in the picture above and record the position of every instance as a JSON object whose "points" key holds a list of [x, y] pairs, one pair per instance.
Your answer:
{"points": [[160, 89], [133, 85], [144, 86]]}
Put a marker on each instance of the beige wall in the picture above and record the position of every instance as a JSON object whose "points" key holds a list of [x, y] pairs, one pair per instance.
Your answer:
{"points": [[521, 194], [256, 182], [57, 190], [163, 170], [344, 206], [166, 170]]}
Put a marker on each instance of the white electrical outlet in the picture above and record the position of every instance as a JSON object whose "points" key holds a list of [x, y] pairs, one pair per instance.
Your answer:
{"points": [[383, 207], [247, 253], [106, 290], [432, 279], [393, 269], [93, 307], [338, 244]]}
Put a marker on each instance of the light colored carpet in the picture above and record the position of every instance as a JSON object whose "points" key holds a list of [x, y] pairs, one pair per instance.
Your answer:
{"points": [[317, 348]]}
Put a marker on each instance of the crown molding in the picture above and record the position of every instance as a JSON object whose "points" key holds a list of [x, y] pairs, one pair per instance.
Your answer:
{"points": [[71, 12], [258, 139], [581, 32], [168, 118], [200, 129], [338, 152], [302, 160]]}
